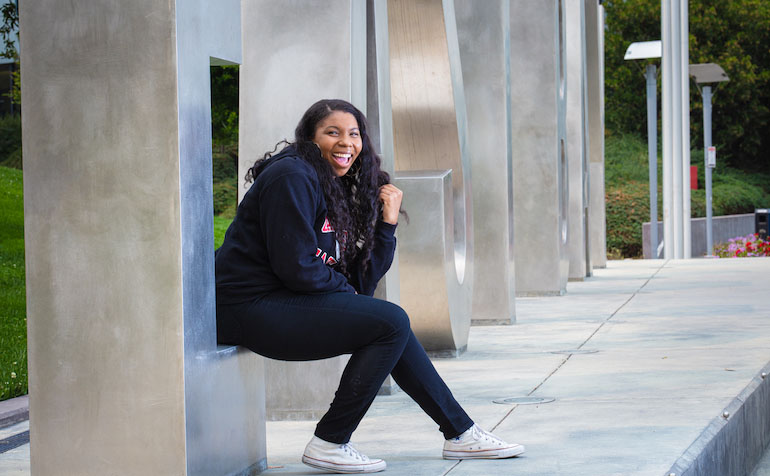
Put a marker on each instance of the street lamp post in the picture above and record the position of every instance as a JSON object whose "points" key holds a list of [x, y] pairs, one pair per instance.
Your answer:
{"points": [[706, 74], [647, 50]]}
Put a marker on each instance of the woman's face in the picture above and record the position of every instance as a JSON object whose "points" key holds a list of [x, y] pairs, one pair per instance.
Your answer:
{"points": [[339, 139]]}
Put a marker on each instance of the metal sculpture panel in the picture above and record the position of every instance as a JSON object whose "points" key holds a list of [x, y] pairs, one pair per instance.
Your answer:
{"points": [[484, 39], [429, 124], [122, 343], [540, 154]]}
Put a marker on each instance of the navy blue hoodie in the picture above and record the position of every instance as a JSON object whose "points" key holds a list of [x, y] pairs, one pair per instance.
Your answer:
{"points": [[281, 238]]}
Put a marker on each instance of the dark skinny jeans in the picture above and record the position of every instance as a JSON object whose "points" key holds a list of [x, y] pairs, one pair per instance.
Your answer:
{"points": [[287, 326]]}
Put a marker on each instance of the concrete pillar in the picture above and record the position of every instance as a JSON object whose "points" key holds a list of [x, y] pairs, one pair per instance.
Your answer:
{"points": [[295, 53], [597, 221], [430, 133], [125, 373], [484, 39], [577, 142], [538, 102]]}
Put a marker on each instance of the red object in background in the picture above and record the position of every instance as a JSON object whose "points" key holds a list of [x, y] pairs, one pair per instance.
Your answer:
{"points": [[693, 177]]}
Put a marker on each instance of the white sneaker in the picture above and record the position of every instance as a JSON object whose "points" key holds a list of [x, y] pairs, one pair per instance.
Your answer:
{"points": [[477, 443], [339, 458]]}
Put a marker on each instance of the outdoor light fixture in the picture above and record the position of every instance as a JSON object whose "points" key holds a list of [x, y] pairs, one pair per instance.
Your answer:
{"points": [[650, 50], [706, 74]]}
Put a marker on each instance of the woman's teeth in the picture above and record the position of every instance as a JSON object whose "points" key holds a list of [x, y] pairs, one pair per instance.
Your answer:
{"points": [[342, 158]]}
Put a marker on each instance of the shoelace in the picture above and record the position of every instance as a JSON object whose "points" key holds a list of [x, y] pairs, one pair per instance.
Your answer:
{"points": [[478, 434], [352, 451]]}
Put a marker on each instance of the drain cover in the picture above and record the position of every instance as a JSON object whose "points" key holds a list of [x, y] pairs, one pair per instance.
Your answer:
{"points": [[524, 400], [575, 351]]}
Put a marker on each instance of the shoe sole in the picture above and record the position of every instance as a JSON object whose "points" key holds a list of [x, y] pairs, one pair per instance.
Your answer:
{"points": [[509, 452], [345, 469]]}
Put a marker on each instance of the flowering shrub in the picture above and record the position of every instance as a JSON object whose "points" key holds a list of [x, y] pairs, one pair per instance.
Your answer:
{"points": [[742, 246]]}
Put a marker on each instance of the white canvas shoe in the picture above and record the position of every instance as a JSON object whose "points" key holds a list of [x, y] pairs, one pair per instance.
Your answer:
{"points": [[479, 444], [339, 458]]}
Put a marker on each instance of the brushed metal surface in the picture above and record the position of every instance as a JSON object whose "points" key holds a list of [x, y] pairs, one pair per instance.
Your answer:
{"points": [[380, 116], [437, 305], [124, 368], [595, 109], [539, 155], [577, 141], [224, 387], [294, 53], [430, 133], [484, 41], [102, 235]]}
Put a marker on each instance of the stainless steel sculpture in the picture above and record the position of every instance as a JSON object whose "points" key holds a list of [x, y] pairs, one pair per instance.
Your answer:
{"points": [[484, 37], [125, 373], [540, 153], [380, 117], [289, 62], [380, 114], [597, 222], [577, 143], [429, 124]]}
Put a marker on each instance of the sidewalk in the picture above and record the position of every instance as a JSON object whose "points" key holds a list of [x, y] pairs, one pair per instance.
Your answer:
{"points": [[657, 351]]}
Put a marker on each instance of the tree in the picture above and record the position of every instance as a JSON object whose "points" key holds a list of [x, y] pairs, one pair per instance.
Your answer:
{"points": [[9, 30], [224, 106], [731, 33]]}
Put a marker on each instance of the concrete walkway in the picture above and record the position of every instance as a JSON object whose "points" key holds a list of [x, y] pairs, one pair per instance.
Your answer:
{"points": [[655, 352]]}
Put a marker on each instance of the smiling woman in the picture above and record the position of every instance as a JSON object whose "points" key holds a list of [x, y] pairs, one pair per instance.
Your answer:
{"points": [[296, 272]]}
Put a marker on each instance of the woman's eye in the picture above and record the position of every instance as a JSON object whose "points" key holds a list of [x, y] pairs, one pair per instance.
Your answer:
{"points": [[354, 134]]}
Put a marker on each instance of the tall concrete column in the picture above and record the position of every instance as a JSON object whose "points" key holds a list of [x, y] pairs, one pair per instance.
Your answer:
{"points": [[125, 372], [295, 53], [597, 221], [484, 36], [538, 103], [577, 142]]}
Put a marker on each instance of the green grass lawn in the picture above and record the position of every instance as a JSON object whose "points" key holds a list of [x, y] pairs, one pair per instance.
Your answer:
{"points": [[13, 312], [220, 227]]}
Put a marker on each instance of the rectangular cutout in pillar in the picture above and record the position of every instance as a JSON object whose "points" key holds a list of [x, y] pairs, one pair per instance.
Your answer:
{"points": [[224, 153]]}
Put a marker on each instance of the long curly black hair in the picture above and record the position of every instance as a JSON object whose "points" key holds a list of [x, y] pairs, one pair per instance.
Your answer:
{"points": [[351, 200]]}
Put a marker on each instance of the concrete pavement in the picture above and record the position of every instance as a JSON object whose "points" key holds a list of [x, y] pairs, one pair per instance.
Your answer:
{"points": [[641, 359]]}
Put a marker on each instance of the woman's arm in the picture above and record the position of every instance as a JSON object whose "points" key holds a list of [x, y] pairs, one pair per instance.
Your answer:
{"points": [[381, 259], [384, 242]]}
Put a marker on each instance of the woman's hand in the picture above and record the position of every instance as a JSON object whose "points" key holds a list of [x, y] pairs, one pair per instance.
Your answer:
{"points": [[390, 196]]}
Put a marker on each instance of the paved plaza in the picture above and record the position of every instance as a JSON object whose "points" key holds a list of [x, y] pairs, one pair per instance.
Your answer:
{"points": [[640, 360]]}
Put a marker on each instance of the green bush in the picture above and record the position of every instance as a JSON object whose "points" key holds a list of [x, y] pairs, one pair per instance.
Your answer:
{"points": [[10, 141], [224, 172], [627, 207], [625, 159], [627, 192]]}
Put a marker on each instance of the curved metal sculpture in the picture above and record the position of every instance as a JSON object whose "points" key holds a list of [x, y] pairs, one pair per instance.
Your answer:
{"points": [[429, 125]]}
